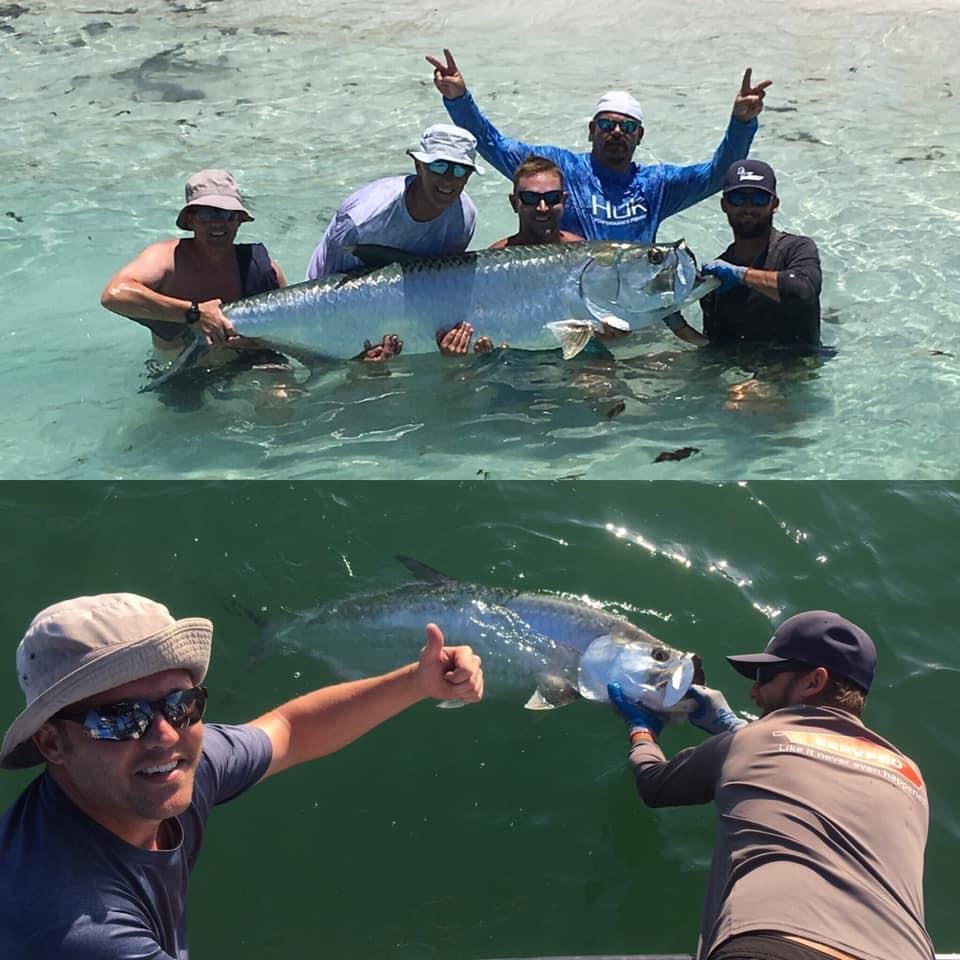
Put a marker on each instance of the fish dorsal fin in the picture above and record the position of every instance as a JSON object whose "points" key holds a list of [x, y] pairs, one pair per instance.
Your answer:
{"points": [[423, 572], [551, 692], [378, 255], [572, 335]]}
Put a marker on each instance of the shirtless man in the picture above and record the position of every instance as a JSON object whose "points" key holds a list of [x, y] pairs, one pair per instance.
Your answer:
{"points": [[537, 199], [176, 286]]}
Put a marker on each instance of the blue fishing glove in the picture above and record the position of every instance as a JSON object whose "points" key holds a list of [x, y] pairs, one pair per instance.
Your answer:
{"points": [[643, 723], [713, 713], [729, 274]]}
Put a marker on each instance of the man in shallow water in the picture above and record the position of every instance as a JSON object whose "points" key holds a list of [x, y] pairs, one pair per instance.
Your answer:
{"points": [[611, 197], [822, 823], [771, 279], [177, 286], [537, 199], [427, 212], [96, 852]]}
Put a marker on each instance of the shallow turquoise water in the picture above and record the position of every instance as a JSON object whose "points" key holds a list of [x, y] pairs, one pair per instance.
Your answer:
{"points": [[493, 831], [106, 112]]}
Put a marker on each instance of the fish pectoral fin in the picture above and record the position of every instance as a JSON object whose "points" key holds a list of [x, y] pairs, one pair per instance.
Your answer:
{"points": [[572, 335], [450, 704], [605, 317], [614, 323], [551, 692]]}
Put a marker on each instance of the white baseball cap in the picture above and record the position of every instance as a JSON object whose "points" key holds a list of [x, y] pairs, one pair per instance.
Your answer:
{"points": [[619, 101]]}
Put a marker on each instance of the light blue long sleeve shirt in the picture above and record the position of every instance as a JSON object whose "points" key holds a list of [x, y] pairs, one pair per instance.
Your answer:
{"points": [[603, 204]]}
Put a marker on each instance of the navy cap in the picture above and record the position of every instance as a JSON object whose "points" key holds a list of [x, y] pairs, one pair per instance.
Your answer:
{"points": [[818, 638], [750, 175]]}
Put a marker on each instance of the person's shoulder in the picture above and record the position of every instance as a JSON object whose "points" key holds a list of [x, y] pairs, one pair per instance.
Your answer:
{"points": [[373, 197], [792, 243], [786, 236], [164, 249]]}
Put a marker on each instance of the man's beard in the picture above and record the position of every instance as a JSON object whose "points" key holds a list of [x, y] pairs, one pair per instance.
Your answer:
{"points": [[756, 228]]}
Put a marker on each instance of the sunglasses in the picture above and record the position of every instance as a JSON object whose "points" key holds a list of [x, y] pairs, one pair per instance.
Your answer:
{"points": [[606, 124], [206, 214], [530, 198], [131, 719], [767, 671], [440, 167], [757, 198]]}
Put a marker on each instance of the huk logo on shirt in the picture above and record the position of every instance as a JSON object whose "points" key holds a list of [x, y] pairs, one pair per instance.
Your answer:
{"points": [[748, 175], [858, 750], [608, 212]]}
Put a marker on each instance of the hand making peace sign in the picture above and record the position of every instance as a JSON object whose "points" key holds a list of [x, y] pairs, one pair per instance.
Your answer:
{"points": [[447, 77], [749, 101]]}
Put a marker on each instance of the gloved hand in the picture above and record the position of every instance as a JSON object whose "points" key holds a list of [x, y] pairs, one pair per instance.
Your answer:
{"points": [[730, 274], [713, 713], [638, 718]]}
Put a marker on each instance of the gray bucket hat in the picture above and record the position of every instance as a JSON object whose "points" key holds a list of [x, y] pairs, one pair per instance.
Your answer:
{"points": [[212, 188], [444, 141], [78, 648]]}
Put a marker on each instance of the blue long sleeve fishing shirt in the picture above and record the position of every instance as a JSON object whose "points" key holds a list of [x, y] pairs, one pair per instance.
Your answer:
{"points": [[603, 204]]}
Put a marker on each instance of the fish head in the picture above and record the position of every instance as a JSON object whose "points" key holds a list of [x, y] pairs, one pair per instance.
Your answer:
{"points": [[649, 673], [639, 282]]}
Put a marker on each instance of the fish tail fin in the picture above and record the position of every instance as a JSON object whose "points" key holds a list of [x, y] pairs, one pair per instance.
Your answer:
{"points": [[188, 356]]}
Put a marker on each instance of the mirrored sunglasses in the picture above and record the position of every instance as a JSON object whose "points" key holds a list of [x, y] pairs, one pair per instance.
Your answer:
{"points": [[757, 198], [530, 198], [767, 671], [606, 124], [206, 214], [131, 719], [440, 167]]}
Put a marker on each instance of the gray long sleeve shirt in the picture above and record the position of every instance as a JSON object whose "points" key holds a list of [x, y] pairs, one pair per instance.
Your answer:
{"points": [[821, 831]]}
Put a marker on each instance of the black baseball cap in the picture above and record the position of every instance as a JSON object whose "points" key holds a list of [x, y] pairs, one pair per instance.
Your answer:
{"points": [[750, 175], [818, 638]]}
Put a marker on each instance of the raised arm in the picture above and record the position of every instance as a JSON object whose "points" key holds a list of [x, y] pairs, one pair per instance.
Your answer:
{"points": [[322, 722], [503, 153], [687, 185]]}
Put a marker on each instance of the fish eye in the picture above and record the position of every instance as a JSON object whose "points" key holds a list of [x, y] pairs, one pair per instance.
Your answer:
{"points": [[660, 654], [655, 255]]}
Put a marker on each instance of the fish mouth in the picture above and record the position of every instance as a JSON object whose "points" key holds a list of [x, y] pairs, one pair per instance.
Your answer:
{"points": [[699, 677]]}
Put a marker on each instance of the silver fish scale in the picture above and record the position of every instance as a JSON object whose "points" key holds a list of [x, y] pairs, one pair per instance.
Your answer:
{"points": [[509, 295]]}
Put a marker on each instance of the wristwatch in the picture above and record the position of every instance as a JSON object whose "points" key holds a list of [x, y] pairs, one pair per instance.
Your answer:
{"points": [[193, 312]]}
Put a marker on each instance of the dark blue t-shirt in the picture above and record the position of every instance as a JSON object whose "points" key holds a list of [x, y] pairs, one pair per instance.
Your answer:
{"points": [[72, 890]]}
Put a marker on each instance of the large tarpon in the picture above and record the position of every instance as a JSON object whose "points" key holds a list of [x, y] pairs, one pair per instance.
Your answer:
{"points": [[532, 298], [548, 649]]}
